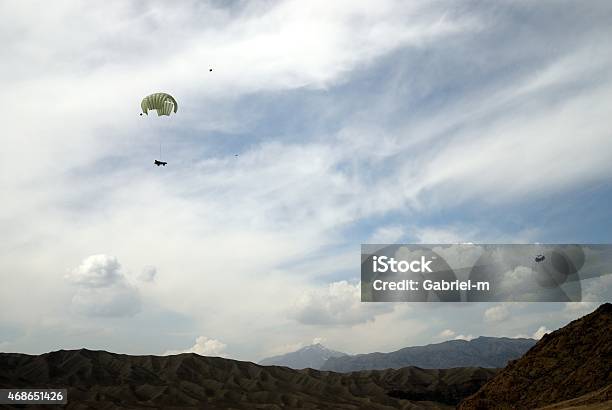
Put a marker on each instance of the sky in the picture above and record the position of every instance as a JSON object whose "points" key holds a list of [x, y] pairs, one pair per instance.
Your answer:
{"points": [[321, 126]]}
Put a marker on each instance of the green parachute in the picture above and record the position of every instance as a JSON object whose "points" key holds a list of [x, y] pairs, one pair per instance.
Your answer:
{"points": [[163, 103]]}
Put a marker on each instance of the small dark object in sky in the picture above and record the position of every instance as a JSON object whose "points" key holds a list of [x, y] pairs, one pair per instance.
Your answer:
{"points": [[540, 258], [235, 155], [158, 163], [141, 114], [210, 69]]}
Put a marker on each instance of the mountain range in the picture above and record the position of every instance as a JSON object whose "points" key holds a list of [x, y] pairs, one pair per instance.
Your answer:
{"points": [[313, 357], [492, 352]]}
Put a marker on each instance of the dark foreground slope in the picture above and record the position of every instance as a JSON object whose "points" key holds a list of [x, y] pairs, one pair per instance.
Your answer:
{"points": [[572, 365], [480, 352], [98, 379]]}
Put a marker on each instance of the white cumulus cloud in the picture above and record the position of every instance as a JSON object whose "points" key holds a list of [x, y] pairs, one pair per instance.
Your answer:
{"points": [[203, 346], [96, 271], [538, 334], [446, 334], [464, 337], [102, 289], [497, 313]]}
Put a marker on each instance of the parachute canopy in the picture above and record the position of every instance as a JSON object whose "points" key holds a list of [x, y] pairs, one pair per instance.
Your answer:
{"points": [[163, 103]]}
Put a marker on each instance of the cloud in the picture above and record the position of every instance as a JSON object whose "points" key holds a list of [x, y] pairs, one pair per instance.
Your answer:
{"points": [[96, 271], [598, 288], [387, 234], [461, 257], [203, 346], [446, 334], [497, 313], [119, 300], [337, 304], [453, 235], [449, 334], [102, 289], [538, 334], [518, 283], [579, 308], [464, 337], [148, 274], [594, 292], [467, 234], [283, 349]]}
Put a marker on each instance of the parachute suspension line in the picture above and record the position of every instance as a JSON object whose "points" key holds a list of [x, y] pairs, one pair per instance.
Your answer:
{"points": [[164, 104]]}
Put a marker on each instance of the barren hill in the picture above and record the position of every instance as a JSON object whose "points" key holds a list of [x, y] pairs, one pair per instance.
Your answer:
{"points": [[494, 352], [98, 379], [572, 364]]}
